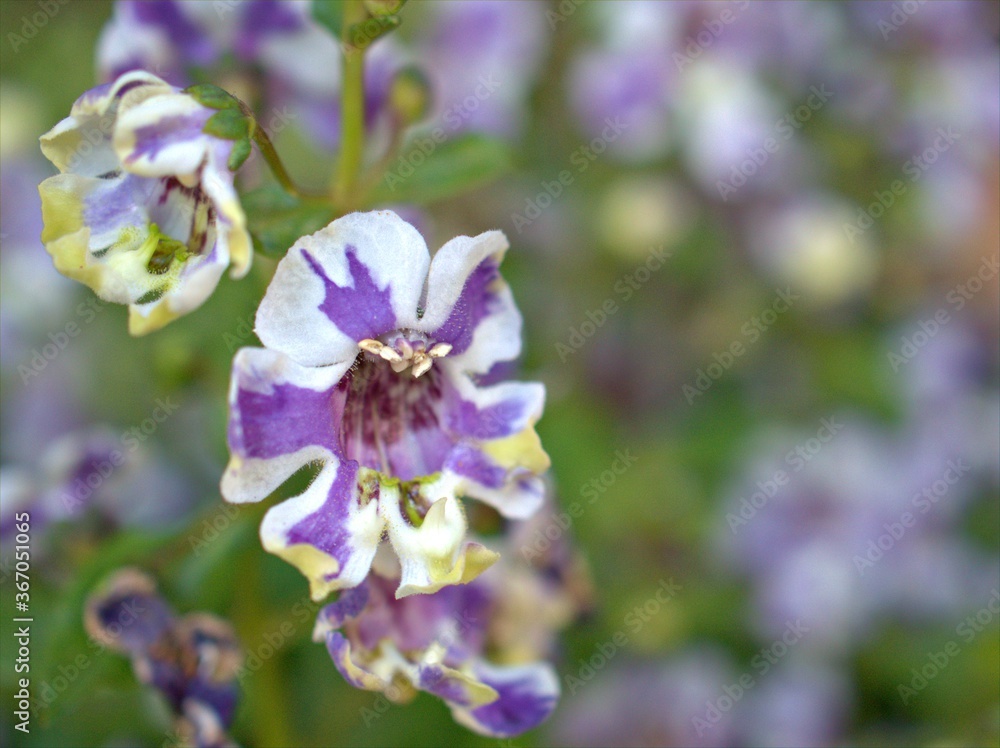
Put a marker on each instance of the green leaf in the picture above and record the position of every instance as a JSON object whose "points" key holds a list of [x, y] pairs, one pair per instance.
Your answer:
{"points": [[449, 169], [277, 220], [330, 14], [212, 96], [240, 153], [229, 124]]}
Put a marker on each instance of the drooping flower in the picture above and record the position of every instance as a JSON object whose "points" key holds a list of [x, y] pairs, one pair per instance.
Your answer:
{"points": [[435, 643], [275, 52], [192, 661], [144, 211], [479, 647], [371, 366]]}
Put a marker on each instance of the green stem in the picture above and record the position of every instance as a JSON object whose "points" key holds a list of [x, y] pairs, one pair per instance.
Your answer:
{"points": [[377, 171], [268, 691], [273, 161], [352, 108]]}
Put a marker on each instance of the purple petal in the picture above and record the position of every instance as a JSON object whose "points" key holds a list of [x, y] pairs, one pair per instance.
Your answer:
{"points": [[340, 652], [349, 605], [262, 18], [505, 415], [168, 131], [474, 303], [284, 420], [528, 695], [359, 311], [327, 528], [471, 463], [190, 40]]}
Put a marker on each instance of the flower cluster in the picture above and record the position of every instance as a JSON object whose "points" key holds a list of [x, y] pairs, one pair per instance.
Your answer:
{"points": [[375, 370], [384, 370]]}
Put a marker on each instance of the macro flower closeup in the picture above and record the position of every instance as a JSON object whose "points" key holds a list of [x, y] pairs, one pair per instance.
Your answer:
{"points": [[144, 210], [754, 252], [373, 367]]}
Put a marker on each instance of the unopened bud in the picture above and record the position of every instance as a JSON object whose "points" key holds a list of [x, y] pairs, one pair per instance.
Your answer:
{"points": [[410, 95]]}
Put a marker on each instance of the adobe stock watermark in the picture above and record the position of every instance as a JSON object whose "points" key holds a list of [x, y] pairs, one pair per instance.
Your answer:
{"points": [[751, 332], [784, 128], [762, 662], [561, 12], [453, 117], [921, 504], [560, 522], [66, 674], [85, 486], [967, 631], [696, 44], [901, 13], [914, 168], [624, 288], [273, 641], [39, 358], [582, 158], [634, 621], [212, 529], [796, 458], [958, 296], [243, 331], [32, 23]]}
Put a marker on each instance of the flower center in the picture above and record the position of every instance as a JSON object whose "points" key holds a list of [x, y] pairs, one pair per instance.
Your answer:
{"points": [[404, 351], [392, 422]]}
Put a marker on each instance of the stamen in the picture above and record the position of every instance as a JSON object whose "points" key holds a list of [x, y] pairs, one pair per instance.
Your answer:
{"points": [[372, 346], [421, 364], [405, 353], [389, 354]]}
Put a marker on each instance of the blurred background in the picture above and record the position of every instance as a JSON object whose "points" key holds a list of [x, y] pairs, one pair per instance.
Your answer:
{"points": [[755, 245]]}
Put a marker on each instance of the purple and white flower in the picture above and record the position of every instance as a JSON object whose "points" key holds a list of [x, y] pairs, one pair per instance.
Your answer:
{"points": [[192, 661], [144, 210], [371, 368], [282, 56], [436, 643]]}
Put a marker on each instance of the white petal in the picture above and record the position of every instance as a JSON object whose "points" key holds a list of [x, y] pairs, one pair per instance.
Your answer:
{"points": [[388, 251]]}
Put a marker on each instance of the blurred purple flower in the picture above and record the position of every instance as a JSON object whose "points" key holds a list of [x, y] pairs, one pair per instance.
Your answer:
{"points": [[653, 703], [799, 704], [91, 474], [482, 59], [832, 548], [192, 661]]}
